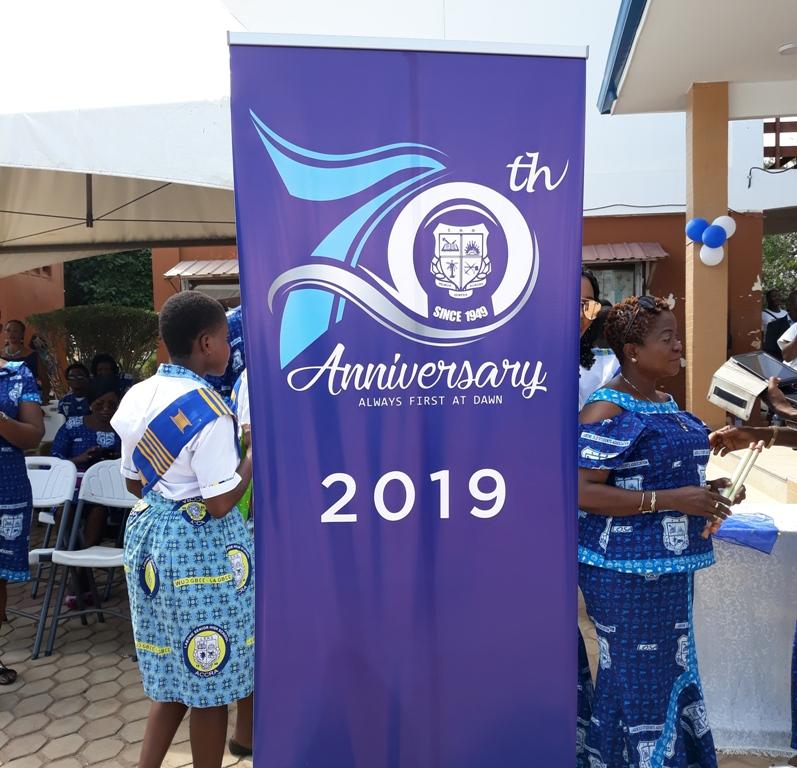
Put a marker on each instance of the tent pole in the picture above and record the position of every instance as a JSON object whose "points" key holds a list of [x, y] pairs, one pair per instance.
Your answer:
{"points": [[89, 202]]}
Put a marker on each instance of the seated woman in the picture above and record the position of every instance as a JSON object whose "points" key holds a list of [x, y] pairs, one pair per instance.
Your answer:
{"points": [[103, 366], [645, 505], [76, 402], [85, 440]]}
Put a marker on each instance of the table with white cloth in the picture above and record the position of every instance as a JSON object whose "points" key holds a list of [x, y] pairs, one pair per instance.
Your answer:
{"points": [[745, 611]]}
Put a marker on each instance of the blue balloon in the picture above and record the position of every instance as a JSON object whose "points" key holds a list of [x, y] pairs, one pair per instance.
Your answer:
{"points": [[695, 229], [714, 236]]}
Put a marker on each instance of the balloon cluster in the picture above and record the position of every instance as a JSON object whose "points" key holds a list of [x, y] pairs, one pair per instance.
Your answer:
{"points": [[712, 236]]}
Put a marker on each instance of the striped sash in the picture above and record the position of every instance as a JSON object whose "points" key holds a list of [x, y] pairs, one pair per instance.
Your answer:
{"points": [[171, 430]]}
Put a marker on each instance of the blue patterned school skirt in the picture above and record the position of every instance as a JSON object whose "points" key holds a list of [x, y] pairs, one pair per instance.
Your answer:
{"points": [[648, 709], [15, 514], [190, 578]]}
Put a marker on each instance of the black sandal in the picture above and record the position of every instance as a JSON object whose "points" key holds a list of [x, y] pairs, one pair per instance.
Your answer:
{"points": [[239, 750], [7, 676]]}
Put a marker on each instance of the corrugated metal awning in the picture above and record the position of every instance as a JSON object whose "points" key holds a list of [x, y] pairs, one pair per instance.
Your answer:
{"points": [[209, 268], [622, 253]]}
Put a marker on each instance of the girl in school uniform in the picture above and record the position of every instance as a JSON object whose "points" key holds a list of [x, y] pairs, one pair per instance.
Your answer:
{"points": [[188, 557]]}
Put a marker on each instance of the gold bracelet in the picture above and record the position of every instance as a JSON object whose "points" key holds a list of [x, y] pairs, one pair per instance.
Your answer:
{"points": [[642, 503], [775, 431], [653, 502]]}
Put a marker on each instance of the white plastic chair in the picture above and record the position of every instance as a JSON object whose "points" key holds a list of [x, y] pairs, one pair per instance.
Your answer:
{"points": [[52, 482], [102, 484]]}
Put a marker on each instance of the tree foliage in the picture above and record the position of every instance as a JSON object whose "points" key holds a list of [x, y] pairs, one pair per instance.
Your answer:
{"points": [[129, 334], [780, 262], [123, 279]]}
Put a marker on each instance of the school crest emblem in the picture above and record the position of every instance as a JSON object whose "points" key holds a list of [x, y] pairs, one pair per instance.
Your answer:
{"points": [[206, 650], [699, 717], [675, 533], [241, 564], [11, 526], [106, 439], [194, 512], [645, 750], [605, 659], [460, 260], [681, 655]]}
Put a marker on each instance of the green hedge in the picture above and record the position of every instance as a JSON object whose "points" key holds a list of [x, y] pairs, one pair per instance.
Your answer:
{"points": [[129, 334]]}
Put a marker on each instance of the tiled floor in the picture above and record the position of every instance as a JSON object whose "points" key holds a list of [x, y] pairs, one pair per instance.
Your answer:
{"points": [[84, 705]]}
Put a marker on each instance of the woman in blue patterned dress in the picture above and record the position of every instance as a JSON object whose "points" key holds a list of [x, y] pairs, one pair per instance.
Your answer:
{"points": [[21, 428], [188, 556], [75, 402], [645, 506]]}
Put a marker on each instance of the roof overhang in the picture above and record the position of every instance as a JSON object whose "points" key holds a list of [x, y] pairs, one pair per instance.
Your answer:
{"points": [[208, 269], [622, 253], [661, 47]]}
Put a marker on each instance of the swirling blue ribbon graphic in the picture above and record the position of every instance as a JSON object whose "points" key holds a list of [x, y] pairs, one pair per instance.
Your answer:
{"points": [[317, 176]]}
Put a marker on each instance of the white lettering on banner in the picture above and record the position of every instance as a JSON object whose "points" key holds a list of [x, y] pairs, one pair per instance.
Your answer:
{"points": [[534, 173], [526, 376], [495, 496]]}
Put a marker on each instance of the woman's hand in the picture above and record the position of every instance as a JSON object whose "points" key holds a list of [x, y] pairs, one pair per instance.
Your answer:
{"points": [[725, 482], [778, 401], [87, 457], [729, 439], [696, 501]]}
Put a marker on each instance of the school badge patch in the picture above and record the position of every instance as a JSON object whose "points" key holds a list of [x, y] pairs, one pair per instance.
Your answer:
{"points": [[241, 564], [206, 650], [194, 512]]}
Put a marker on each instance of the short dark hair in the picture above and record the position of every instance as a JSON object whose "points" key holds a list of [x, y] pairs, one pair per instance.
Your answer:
{"points": [[102, 385], [104, 357], [629, 322], [76, 367], [17, 322], [185, 317]]}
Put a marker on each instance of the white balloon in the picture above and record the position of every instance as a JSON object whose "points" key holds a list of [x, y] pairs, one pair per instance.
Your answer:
{"points": [[727, 223], [711, 256]]}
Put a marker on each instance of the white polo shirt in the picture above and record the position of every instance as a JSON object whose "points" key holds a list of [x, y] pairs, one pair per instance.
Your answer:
{"points": [[242, 402], [206, 466], [786, 339]]}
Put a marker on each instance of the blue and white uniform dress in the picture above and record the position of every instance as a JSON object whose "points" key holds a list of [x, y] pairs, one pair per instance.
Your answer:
{"points": [[17, 385], [75, 437], [71, 405], [603, 370], [636, 574], [237, 362], [190, 576]]}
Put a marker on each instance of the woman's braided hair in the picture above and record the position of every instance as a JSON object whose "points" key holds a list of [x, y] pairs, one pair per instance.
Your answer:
{"points": [[629, 322], [586, 355]]}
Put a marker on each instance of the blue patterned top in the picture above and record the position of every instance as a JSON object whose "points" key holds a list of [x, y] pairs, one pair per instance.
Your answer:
{"points": [[224, 384], [649, 446], [17, 385], [74, 438], [72, 405]]}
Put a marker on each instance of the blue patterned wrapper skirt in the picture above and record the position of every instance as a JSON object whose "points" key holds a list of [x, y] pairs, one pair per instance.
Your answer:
{"points": [[648, 709], [15, 513], [190, 578]]}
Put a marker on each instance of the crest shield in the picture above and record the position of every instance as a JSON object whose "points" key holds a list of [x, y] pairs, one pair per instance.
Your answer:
{"points": [[676, 533], [460, 259]]}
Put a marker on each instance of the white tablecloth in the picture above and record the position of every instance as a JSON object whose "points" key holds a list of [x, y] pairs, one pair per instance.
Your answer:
{"points": [[745, 612]]}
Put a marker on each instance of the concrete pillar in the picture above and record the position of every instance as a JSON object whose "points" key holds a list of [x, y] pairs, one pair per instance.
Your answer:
{"points": [[706, 331]]}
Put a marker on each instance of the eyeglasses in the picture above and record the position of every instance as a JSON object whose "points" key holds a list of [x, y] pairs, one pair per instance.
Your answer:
{"points": [[648, 303], [590, 308]]}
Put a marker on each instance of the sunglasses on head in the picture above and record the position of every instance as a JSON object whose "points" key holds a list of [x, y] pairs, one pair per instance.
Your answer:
{"points": [[648, 303], [590, 308]]}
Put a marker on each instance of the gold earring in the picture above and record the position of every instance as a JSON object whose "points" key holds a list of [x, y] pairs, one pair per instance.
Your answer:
{"points": [[633, 359]]}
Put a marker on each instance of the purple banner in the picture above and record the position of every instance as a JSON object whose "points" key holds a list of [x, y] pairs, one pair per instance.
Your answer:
{"points": [[409, 234]]}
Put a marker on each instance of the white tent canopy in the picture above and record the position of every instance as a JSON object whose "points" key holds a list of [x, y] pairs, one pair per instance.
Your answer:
{"points": [[114, 128]]}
